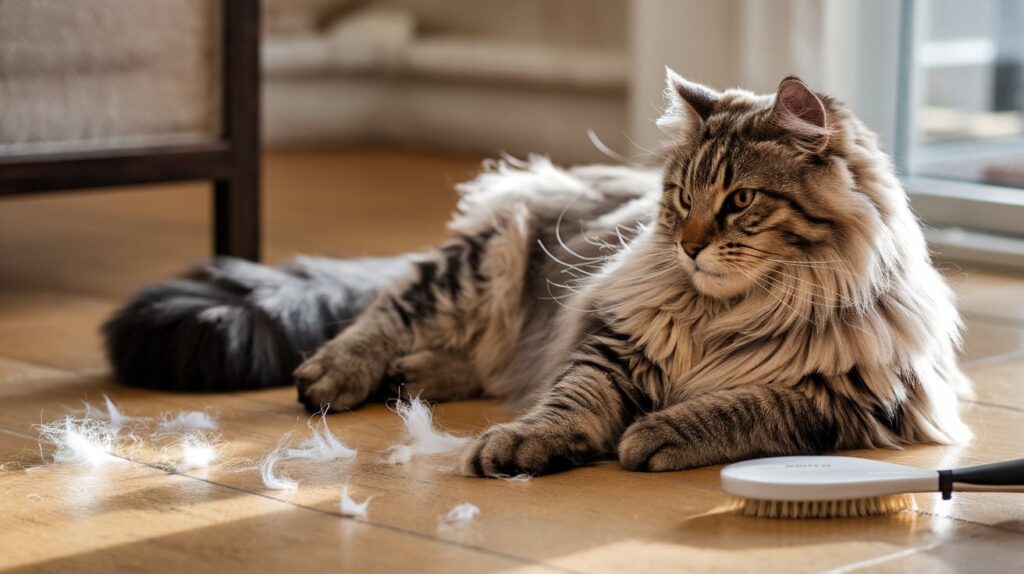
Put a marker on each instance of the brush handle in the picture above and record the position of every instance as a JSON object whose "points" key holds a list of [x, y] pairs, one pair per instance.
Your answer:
{"points": [[997, 477]]}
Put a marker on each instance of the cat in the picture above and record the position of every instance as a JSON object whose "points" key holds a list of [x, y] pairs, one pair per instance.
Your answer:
{"points": [[768, 292]]}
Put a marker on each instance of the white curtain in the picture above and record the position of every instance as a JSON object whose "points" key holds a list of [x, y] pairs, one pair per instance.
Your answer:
{"points": [[845, 48]]}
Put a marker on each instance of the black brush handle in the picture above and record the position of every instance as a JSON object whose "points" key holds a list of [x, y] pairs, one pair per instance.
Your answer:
{"points": [[997, 473], [1009, 473]]}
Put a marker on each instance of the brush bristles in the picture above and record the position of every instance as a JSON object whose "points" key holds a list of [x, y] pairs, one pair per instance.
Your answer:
{"points": [[823, 508]]}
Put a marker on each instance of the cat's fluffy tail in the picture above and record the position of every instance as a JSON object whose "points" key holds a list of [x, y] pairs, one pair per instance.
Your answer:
{"points": [[233, 325]]}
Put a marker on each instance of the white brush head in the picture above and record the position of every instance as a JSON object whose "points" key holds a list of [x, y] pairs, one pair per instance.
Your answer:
{"points": [[823, 478]]}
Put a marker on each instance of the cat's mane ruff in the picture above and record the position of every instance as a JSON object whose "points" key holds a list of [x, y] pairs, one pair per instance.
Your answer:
{"points": [[880, 308]]}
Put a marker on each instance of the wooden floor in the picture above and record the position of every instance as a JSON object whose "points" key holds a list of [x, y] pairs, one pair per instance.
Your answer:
{"points": [[66, 260]]}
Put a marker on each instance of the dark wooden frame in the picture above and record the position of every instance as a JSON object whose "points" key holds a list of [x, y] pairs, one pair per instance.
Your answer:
{"points": [[232, 162]]}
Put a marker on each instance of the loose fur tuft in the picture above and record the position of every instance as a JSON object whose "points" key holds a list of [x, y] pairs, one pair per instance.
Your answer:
{"points": [[422, 437], [196, 452], [187, 421], [113, 415], [321, 445], [272, 480], [351, 508], [78, 441], [459, 514]]}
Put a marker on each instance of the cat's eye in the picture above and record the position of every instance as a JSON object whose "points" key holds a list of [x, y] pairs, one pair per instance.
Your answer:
{"points": [[684, 198], [741, 199]]}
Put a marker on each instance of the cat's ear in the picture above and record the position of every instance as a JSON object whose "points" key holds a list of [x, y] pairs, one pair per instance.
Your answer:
{"points": [[800, 112], [689, 104]]}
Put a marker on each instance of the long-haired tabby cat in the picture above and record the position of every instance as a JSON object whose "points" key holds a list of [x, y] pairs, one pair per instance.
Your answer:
{"points": [[768, 293]]}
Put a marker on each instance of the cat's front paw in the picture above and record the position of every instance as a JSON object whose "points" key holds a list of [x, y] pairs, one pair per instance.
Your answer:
{"points": [[335, 378], [433, 376], [517, 448], [652, 444]]}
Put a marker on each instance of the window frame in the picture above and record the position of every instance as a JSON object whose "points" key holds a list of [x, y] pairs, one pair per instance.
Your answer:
{"points": [[965, 221]]}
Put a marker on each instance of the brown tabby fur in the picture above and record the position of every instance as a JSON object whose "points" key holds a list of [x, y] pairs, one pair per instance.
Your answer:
{"points": [[769, 293]]}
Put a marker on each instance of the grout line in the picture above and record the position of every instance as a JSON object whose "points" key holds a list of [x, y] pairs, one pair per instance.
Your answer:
{"points": [[530, 562], [912, 551], [397, 529], [18, 434], [988, 361], [992, 319], [994, 359], [993, 405], [969, 521], [882, 559], [512, 557]]}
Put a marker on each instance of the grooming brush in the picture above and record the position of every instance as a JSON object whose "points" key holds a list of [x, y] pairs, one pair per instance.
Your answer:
{"points": [[835, 486]]}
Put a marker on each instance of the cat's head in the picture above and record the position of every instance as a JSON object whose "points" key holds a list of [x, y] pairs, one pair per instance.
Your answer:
{"points": [[758, 188]]}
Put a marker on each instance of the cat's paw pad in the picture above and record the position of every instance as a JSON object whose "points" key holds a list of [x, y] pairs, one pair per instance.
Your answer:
{"points": [[513, 449], [651, 444], [331, 379]]}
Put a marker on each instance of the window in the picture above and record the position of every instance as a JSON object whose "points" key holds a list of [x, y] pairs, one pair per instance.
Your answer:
{"points": [[960, 140]]}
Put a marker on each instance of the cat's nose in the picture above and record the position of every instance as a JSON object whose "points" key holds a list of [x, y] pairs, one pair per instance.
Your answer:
{"points": [[693, 248]]}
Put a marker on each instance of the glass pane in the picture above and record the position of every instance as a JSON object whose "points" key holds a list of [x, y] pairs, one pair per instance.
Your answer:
{"points": [[969, 114]]}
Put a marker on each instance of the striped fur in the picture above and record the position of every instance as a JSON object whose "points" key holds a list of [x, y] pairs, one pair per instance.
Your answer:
{"points": [[768, 292], [770, 295]]}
